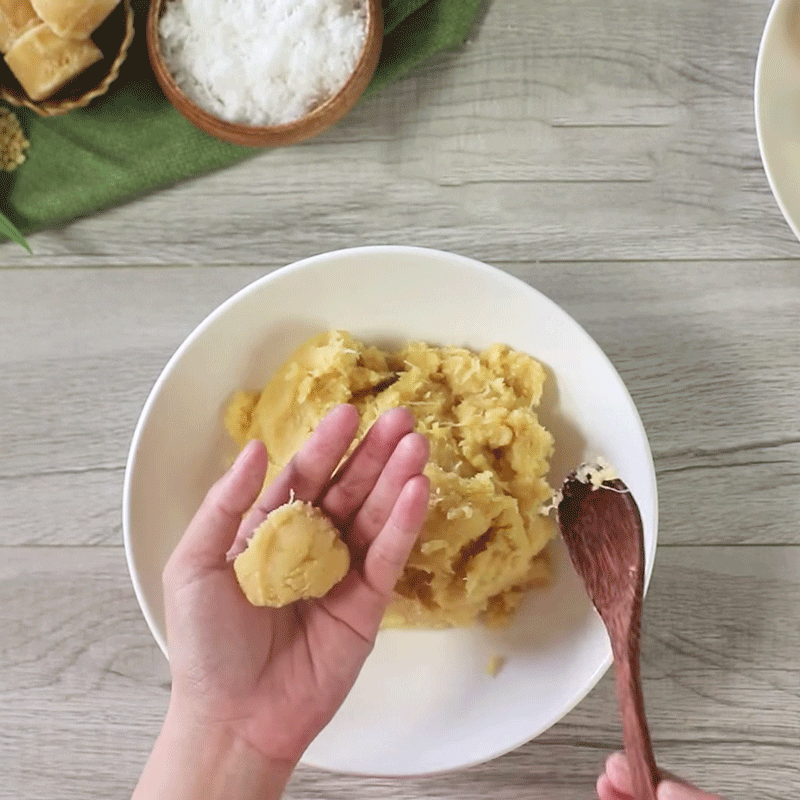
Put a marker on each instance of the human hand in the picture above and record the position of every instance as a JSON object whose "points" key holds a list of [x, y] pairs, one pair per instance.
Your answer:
{"points": [[615, 784], [268, 680]]}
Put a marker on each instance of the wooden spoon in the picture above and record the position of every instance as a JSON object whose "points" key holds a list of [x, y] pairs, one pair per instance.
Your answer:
{"points": [[602, 528], [321, 117]]}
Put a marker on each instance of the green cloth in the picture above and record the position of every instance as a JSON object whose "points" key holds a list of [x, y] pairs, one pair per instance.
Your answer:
{"points": [[131, 141]]}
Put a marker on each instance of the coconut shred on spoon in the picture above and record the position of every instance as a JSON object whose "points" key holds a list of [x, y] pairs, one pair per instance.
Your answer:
{"points": [[262, 62]]}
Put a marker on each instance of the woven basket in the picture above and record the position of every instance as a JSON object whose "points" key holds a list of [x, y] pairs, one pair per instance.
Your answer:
{"points": [[113, 36]]}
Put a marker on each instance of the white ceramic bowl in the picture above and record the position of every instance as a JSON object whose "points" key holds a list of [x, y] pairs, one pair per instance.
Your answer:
{"points": [[777, 107], [424, 702]]}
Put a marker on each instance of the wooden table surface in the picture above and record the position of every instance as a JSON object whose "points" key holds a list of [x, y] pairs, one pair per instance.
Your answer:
{"points": [[602, 151]]}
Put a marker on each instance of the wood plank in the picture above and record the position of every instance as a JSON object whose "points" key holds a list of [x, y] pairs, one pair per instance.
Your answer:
{"points": [[566, 131], [709, 359], [84, 687], [729, 500]]}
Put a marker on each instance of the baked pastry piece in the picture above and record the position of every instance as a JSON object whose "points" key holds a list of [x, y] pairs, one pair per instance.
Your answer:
{"points": [[43, 62], [74, 19], [16, 17]]}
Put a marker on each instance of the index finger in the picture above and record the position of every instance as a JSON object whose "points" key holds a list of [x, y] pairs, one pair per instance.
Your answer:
{"points": [[361, 599], [356, 478]]}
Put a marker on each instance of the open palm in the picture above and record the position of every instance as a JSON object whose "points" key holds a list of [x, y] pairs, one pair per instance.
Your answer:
{"points": [[277, 676]]}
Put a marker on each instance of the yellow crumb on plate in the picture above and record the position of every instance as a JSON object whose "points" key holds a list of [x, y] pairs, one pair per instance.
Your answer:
{"points": [[495, 664]]}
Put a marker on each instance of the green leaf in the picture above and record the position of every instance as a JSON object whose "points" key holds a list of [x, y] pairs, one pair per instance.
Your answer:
{"points": [[8, 230]]}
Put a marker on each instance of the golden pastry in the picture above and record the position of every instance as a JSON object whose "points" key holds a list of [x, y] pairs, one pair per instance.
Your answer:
{"points": [[74, 19], [16, 17], [43, 62]]}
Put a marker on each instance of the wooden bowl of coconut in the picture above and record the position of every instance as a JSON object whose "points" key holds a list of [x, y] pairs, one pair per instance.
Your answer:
{"points": [[274, 73]]}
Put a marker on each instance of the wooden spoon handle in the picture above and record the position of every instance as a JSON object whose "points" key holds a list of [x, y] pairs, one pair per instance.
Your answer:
{"points": [[638, 748]]}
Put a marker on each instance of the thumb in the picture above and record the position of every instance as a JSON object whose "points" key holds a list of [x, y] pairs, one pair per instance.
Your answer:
{"points": [[618, 777], [213, 528], [674, 790]]}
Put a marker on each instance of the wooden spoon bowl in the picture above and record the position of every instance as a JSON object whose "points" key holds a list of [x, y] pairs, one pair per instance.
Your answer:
{"points": [[313, 123], [602, 529]]}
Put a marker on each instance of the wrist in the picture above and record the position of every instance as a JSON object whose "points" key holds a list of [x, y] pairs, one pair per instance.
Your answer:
{"points": [[199, 758]]}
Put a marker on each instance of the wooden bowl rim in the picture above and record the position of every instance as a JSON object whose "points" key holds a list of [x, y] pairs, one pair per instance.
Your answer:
{"points": [[50, 109], [319, 118]]}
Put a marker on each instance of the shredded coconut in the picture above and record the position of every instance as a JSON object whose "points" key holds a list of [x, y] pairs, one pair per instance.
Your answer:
{"points": [[262, 62], [552, 504], [596, 473], [495, 664]]}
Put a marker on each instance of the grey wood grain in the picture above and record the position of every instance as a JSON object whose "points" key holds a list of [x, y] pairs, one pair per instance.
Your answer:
{"points": [[570, 130], [84, 686], [714, 372]]}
